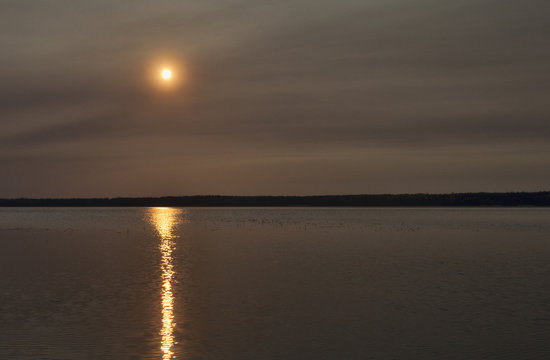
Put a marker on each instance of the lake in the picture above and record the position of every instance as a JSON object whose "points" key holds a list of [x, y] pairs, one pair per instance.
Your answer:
{"points": [[274, 283]]}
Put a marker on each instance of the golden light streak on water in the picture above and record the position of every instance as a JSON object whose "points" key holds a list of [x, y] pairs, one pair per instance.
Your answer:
{"points": [[165, 220]]}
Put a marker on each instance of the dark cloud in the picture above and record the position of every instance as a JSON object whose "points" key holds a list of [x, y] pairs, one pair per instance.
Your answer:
{"points": [[281, 97], [73, 131]]}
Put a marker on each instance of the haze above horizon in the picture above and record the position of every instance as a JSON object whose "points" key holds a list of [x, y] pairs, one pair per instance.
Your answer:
{"points": [[303, 97]]}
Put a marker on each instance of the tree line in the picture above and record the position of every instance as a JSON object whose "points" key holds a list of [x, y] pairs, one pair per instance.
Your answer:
{"points": [[541, 198]]}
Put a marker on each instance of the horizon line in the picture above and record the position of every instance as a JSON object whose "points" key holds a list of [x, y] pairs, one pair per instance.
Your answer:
{"points": [[275, 196], [540, 198]]}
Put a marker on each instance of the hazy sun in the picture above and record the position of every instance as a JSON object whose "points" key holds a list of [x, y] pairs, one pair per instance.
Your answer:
{"points": [[166, 74]]}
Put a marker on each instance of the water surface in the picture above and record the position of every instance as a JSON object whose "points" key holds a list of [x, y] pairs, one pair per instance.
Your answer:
{"points": [[274, 283]]}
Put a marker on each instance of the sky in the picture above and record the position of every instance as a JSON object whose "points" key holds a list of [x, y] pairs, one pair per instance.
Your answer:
{"points": [[293, 97]]}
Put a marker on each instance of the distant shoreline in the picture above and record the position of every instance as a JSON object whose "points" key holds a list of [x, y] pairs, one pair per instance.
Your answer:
{"points": [[480, 199]]}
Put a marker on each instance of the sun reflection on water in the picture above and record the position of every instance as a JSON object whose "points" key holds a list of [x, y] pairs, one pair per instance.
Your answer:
{"points": [[165, 221]]}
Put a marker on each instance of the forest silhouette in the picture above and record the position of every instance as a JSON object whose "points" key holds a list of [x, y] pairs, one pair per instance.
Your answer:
{"points": [[541, 198]]}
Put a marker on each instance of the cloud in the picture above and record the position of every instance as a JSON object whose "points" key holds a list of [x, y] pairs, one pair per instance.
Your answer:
{"points": [[269, 82]]}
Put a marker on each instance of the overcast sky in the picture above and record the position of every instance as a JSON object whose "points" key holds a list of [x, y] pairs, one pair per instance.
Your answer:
{"points": [[278, 97]]}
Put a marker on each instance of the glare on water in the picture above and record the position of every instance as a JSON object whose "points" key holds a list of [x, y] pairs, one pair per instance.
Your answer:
{"points": [[165, 220]]}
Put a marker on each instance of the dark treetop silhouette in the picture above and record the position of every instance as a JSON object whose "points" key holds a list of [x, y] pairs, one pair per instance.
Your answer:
{"points": [[455, 199]]}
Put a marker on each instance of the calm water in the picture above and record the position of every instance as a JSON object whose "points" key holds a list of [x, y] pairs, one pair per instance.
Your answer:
{"points": [[196, 283]]}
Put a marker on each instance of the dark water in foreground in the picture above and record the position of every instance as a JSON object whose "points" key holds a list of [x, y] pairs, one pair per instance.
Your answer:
{"points": [[161, 283]]}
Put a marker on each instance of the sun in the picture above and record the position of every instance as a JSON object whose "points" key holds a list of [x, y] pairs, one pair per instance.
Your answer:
{"points": [[166, 74]]}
